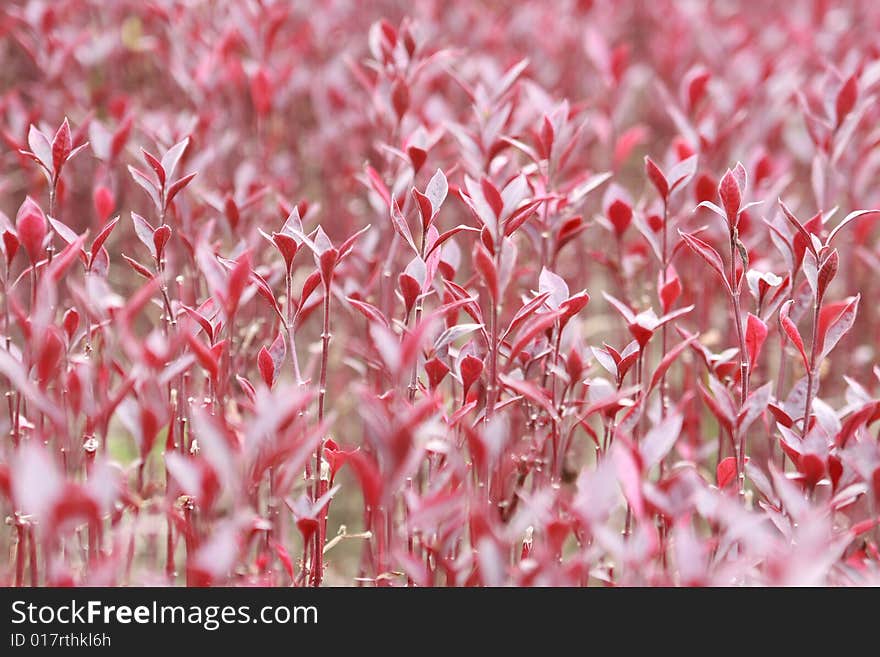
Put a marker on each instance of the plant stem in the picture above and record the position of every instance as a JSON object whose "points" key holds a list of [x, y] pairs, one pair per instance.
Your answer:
{"points": [[739, 440], [663, 336], [492, 389], [19, 553], [289, 325], [811, 370], [318, 559]]}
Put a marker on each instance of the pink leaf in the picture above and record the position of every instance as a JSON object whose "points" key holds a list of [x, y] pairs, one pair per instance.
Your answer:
{"points": [[660, 439], [400, 225], [852, 216], [172, 157], [532, 392], [539, 324], [835, 321], [446, 235], [144, 231], [669, 359], [485, 265]]}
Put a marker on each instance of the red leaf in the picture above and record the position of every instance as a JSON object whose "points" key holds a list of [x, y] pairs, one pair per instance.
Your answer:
{"points": [[261, 91], [754, 407], [846, 99], [792, 332], [426, 211], [204, 355], [572, 306], [657, 178], [70, 321], [862, 416], [537, 325], [400, 225], [410, 288], [756, 333], [417, 157], [238, 280], [804, 241], [310, 285], [621, 307], [532, 392], [369, 311], [65, 259], [485, 265], [835, 321], [437, 190], [50, 355], [10, 245], [437, 371], [668, 359], [160, 238], [471, 367], [852, 216], [368, 476], [400, 97], [284, 558], [670, 291], [177, 186], [446, 235], [629, 476], [138, 267], [247, 387], [40, 148], [659, 440], [528, 309], [147, 185], [681, 174], [144, 231], [519, 217], [620, 215], [287, 246], [61, 145], [202, 321], [708, 254], [812, 468], [695, 83], [102, 237], [266, 366], [378, 185], [492, 196], [827, 272], [156, 166], [726, 471], [731, 196], [719, 410], [172, 156]]}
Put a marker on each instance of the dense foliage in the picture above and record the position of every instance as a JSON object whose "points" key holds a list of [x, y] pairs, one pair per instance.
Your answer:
{"points": [[441, 293]]}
